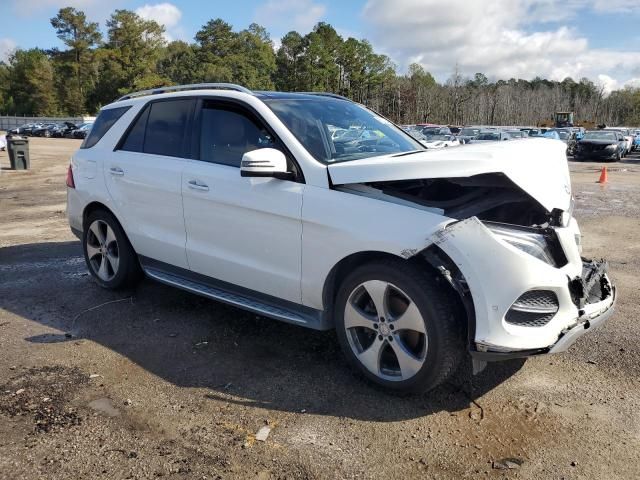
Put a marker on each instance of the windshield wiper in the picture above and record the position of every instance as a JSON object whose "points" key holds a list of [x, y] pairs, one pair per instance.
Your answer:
{"points": [[407, 153]]}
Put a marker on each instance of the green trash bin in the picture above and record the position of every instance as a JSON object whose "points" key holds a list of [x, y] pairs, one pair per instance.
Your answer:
{"points": [[18, 148]]}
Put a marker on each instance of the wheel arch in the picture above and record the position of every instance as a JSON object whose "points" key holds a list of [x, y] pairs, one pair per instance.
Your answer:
{"points": [[341, 269], [97, 205], [433, 259]]}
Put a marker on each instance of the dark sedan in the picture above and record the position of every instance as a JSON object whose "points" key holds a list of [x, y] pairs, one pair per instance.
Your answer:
{"points": [[65, 130], [600, 145], [45, 130], [26, 129], [81, 131]]}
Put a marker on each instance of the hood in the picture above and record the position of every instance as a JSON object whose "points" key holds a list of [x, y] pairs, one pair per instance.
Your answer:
{"points": [[537, 166]]}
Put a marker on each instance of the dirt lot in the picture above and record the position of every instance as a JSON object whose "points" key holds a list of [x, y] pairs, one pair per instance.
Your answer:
{"points": [[160, 383]]}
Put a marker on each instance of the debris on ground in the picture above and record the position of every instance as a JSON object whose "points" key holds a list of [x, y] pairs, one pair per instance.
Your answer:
{"points": [[104, 405], [43, 394], [263, 433], [507, 464]]}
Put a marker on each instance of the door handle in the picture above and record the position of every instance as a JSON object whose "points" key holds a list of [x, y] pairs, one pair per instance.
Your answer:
{"points": [[197, 185], [116, 171]]}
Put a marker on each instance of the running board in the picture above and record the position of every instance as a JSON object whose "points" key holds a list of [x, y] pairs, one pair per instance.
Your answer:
{"points": [[303, 316]]}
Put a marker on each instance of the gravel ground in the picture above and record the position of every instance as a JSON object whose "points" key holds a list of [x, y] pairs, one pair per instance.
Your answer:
{"points": [[156, 382]]}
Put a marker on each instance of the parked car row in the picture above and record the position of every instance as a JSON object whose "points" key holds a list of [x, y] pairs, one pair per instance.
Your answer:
{"points": [[53, 130], [605, 143]]}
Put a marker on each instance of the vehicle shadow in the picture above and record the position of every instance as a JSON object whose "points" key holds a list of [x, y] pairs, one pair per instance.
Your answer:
{"points": [[191, 341]]}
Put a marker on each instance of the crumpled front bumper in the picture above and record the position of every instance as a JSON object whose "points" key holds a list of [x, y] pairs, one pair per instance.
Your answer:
{"points": [[496, 274], [595, 297]]}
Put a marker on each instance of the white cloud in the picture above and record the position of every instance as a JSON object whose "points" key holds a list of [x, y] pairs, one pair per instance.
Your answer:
{"points": [[165, 14], [607, 83], [633, 83], [282, 16], [7, 46], [501, 38]]}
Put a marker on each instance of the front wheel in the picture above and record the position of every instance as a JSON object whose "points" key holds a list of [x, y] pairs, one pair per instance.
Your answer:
{"points": [[398, 327], [108, 253]]}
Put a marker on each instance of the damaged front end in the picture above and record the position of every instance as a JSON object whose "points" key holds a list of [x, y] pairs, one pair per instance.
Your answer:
{"points": [[595, 297], [518, 267], [511, 248]]}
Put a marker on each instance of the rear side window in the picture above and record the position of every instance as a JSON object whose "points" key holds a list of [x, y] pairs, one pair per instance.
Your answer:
{"points": [[103, 123], [160, 128], [135, 138]]}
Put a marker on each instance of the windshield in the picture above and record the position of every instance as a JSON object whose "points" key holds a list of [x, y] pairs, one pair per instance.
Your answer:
{"points": [[599, 136], [488, 136], [434, 138], [469, 131], [429, 132], [312, 120]]}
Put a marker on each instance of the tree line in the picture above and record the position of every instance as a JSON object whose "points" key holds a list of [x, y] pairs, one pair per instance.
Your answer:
{"points": [[95, 68]]}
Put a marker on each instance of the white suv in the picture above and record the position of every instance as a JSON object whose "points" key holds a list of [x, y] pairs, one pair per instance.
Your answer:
{"points": [[314, 210]]}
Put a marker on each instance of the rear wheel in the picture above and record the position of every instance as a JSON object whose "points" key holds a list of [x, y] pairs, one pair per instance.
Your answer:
{"points": [[397, 327], [108, 253]]}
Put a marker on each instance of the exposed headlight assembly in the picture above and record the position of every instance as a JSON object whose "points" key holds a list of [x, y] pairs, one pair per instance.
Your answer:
{"points": [[533, 243]]}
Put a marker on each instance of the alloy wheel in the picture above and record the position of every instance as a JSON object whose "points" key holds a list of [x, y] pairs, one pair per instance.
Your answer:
{"points": [[102, 250], [385, 330]]}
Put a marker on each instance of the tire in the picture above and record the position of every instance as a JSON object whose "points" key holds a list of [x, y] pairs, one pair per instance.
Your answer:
{"points": [[108, 254], [404, 358], [47, 134]]}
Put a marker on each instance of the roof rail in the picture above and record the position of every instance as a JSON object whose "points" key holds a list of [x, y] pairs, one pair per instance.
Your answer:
{"points": [[181, 88], [326, 94]]}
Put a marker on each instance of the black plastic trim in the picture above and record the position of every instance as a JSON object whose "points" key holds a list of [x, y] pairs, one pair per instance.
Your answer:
{"points": [[501, 356]]}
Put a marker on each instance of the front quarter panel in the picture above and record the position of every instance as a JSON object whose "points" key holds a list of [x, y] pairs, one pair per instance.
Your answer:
{"points": [[338, 224]]}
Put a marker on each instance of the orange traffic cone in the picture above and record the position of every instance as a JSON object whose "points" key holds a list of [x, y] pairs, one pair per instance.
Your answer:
{"points": [[603, 175]]}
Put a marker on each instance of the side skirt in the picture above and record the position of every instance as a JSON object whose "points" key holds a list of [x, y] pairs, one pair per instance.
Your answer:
{"points": [[236, 296]]}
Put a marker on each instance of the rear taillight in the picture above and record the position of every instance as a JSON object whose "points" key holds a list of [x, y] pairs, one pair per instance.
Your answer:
{"points": [[70, 182]]}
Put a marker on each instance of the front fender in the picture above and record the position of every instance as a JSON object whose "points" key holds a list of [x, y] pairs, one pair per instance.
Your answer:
{"points": [[336, 225]]}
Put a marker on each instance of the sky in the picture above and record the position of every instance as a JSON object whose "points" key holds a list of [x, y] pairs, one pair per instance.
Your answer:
{"points": [[598, 39]]}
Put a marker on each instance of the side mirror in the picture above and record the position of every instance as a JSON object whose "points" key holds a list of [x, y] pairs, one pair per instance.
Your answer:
{"points": [[265, 162]]}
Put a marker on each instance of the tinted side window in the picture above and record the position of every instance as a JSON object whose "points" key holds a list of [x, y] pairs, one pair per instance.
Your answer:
{"points": [[135, 138], [227, 133], [103, 123], [166, 126], [160, 128]]}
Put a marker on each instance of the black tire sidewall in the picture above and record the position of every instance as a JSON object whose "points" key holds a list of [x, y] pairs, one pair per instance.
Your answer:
{"points": [[128, 261], [431, 304]]}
